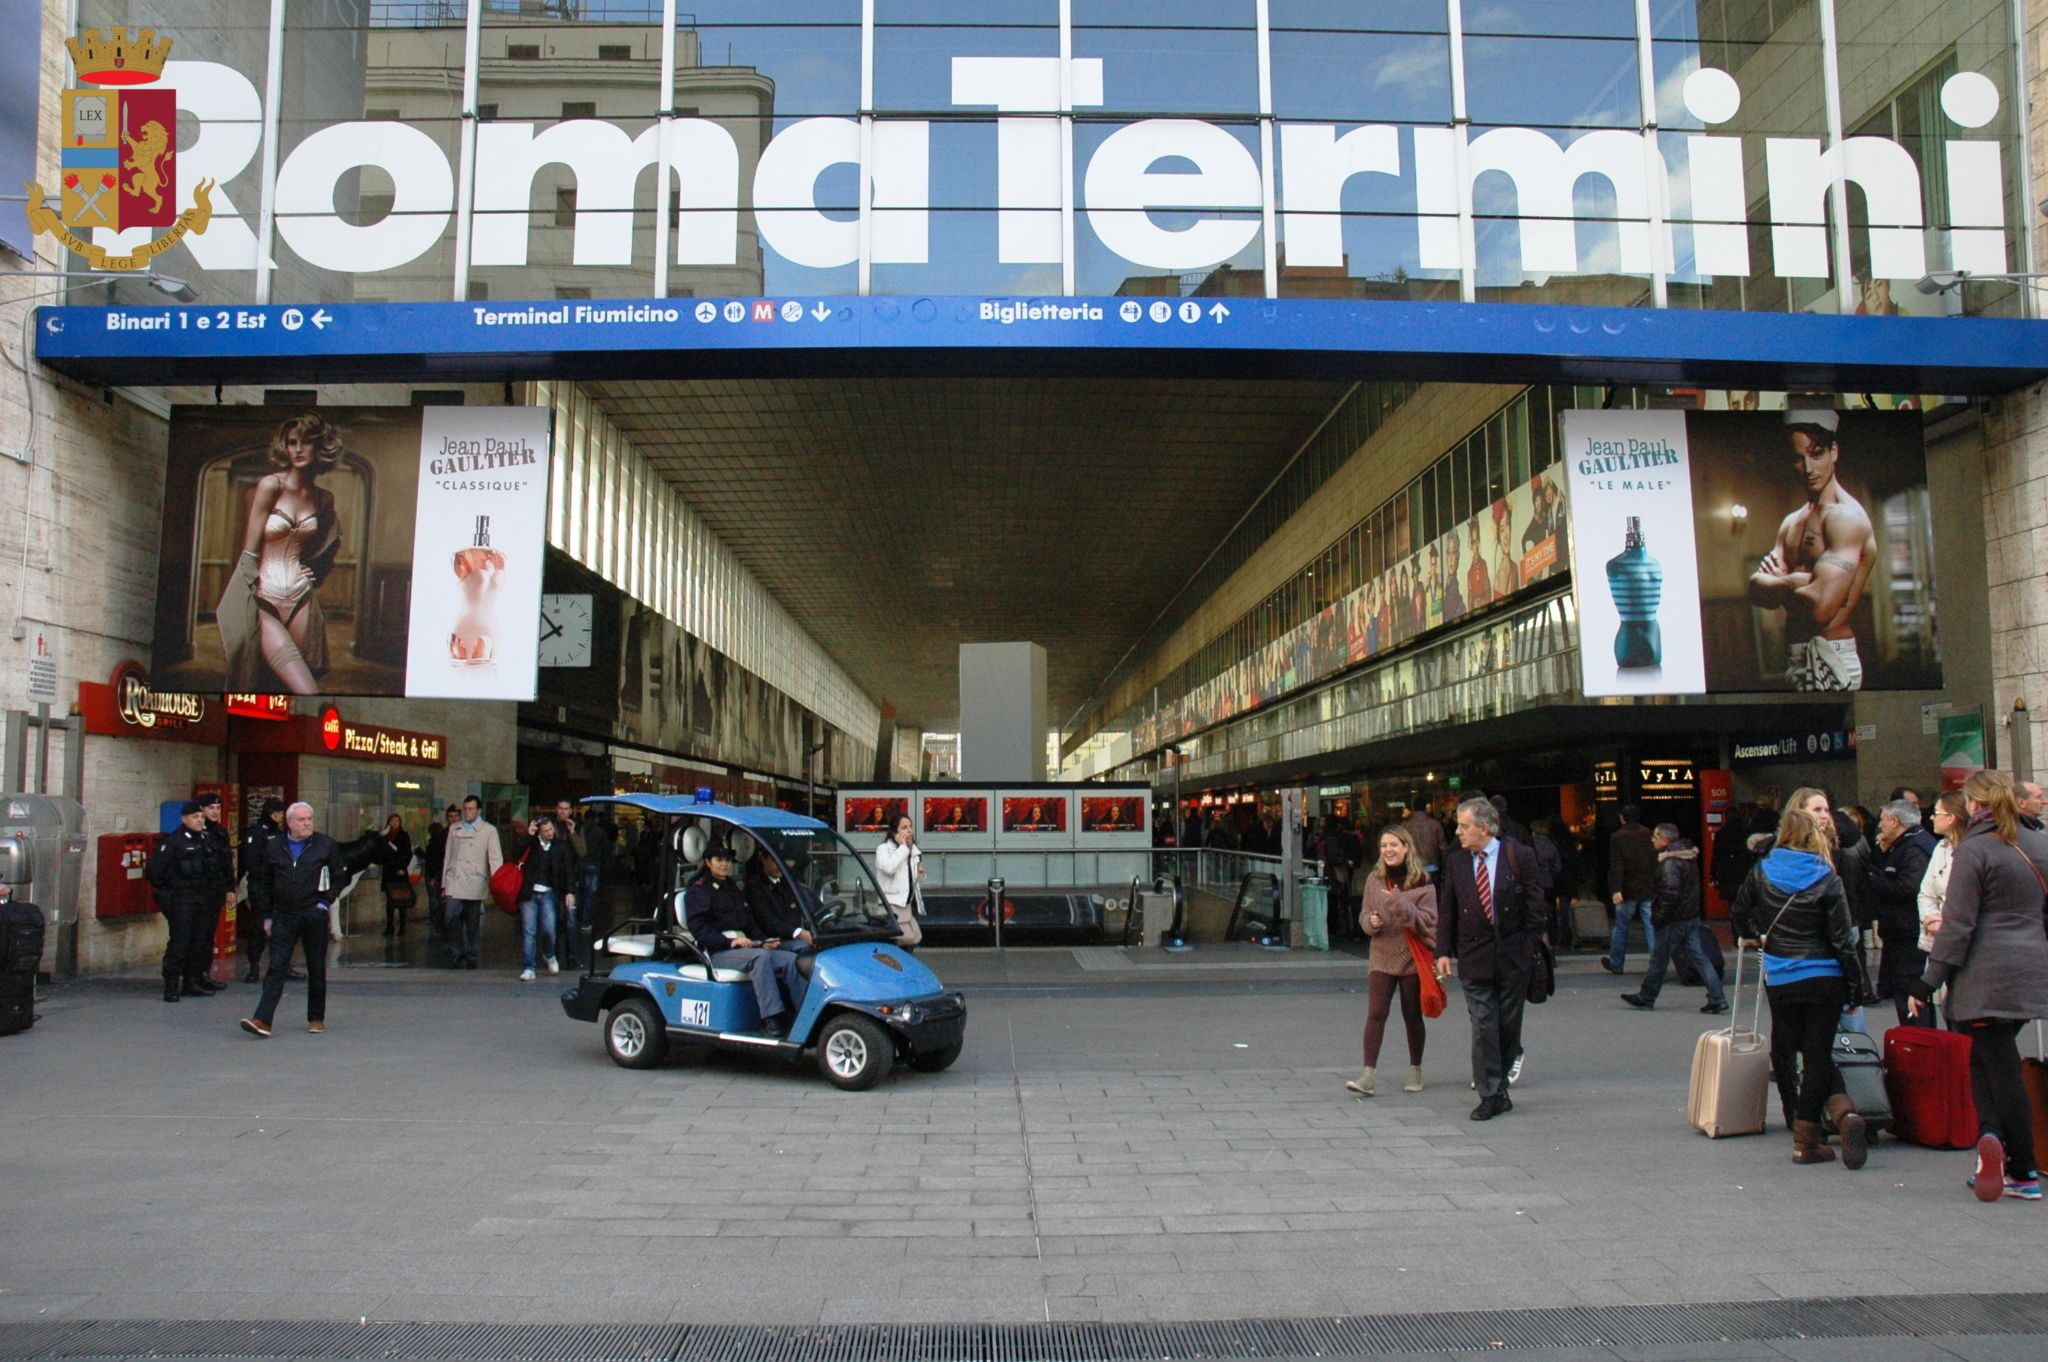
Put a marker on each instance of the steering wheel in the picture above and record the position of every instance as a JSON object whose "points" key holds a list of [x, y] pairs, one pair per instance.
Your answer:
{"points": [[833, 907]]}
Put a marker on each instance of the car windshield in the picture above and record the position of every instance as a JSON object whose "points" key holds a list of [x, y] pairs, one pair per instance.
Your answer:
{"points": [[836, 886]]}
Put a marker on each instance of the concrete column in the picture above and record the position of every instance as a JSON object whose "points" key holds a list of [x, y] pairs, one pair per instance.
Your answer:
{"points": [[2015, 546], [1002, 713]]}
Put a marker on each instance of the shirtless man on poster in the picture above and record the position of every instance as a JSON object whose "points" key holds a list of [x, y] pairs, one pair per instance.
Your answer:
{"points": [[1822, 561]]}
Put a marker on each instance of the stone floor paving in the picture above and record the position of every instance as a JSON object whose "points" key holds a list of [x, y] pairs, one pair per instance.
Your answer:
{"points": [[1108, 1148]]}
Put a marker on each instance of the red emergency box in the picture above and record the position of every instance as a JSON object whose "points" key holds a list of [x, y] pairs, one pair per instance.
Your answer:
{"points": [[124, 888]]}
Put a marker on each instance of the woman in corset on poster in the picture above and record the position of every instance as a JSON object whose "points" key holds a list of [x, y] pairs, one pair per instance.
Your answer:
{"points": [[270, 613]]}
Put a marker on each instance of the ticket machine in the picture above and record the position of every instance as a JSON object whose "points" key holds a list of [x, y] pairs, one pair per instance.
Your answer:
{"points": [[42, 850]]}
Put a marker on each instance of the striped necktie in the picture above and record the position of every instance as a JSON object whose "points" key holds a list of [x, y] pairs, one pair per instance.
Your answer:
{"points": [[1485, 886]]}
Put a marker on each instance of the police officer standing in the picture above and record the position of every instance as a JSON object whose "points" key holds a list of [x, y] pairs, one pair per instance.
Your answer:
{"points": [[255, 921], [206, 930], [187, 881]]}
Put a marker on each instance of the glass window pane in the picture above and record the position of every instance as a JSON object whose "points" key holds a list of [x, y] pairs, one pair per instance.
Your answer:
{"points": [[1180, 59]]}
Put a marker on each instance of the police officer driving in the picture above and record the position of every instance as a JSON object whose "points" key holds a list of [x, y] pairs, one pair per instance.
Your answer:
{"points": [[719, 916]]}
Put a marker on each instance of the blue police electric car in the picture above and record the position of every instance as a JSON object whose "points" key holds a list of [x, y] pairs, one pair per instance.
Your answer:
{"points": [[867, 1003]]}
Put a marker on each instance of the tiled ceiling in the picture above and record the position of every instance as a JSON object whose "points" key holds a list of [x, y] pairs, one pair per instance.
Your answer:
{"points": [[899, 518]]}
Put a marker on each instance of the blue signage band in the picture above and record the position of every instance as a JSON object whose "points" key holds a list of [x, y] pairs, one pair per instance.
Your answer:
{"points": [[1188, 337]]}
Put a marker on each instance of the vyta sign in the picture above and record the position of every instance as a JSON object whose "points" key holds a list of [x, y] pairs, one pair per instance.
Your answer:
{"points": [[1145, 167]]}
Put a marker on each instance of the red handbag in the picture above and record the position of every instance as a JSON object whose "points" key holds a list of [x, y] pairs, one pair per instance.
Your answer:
{"points": [[507, 881], [1433, 996]]}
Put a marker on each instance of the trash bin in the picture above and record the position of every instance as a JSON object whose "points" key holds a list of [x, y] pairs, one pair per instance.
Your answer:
{"points": [[1315, 914]]}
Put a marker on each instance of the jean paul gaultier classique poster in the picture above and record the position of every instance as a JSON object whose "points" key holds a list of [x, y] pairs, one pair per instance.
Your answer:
{"points": [[1634, 569], [478, 541]]}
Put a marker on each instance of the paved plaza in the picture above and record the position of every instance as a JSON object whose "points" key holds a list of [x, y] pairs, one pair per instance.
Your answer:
{"points": [[1120, 1142]]}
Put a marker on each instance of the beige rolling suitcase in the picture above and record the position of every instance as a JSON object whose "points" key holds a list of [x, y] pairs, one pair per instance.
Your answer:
{"points": [[1731, 1071]]}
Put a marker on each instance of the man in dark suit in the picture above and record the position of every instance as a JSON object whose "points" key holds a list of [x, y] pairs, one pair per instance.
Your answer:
{"points": [[1487, 935]]}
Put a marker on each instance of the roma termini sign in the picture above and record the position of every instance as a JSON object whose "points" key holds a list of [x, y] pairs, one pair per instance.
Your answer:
{"points": [[1135, 173]]}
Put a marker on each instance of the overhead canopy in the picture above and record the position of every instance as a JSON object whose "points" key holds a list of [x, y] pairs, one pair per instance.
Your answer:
{"points": [[1284, 338]]}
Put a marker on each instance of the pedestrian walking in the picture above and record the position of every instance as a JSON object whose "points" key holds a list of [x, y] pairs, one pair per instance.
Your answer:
{"points": [[1898, 866], [1428, 836], [253, 922], [1993, 956], [600, 840], [1632, 886], [1793, 906], [574, 905], [1400, 905], [183, 873], [433, 857], [546, 894], [1486, 934], [306, 874], [899, 869], [473, 853], [1675, 917], [394, 855]]}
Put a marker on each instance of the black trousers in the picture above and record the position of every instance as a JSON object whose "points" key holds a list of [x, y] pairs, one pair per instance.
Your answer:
{"points": [[308, 928], [249, 923], [2002, 1106], [201, 925], [1495, 1007], [1804, 1019], [179, 961]]}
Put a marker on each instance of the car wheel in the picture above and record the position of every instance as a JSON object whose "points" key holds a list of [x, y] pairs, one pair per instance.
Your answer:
{"points": [[635, 1035], [855, 1052], [932, 1061]]}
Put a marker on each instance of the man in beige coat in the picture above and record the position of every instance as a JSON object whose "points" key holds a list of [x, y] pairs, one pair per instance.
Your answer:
{"points": [[473, 853]]}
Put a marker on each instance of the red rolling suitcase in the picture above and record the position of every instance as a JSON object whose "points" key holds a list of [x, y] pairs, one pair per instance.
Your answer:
{"points": [[1927, 1074]]}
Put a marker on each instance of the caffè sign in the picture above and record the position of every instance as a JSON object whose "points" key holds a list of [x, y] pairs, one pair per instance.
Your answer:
{"points": [[142, 707]]}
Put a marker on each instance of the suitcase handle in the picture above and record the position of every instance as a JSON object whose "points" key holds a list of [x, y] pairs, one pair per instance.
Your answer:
{"points": [[1756, 1016]]}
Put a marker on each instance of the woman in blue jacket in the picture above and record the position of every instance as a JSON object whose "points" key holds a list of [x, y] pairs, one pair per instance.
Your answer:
{"points": [[1794, 906]]}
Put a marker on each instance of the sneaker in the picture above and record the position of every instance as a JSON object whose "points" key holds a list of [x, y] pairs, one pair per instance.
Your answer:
{"points": [[1514, 1073], [1361, 1085], [318, 1028], [526, 976], [256, 1028], [1989, 1184], [1414, 1083], [553, 968], [1639, 1002], [2023, 1189], [1714, 1009]]}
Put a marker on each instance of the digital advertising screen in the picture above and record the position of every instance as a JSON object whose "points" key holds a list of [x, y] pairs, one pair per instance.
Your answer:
{"points": [[874, 813], [1034, 813], [956, 813], [1112, 813]]}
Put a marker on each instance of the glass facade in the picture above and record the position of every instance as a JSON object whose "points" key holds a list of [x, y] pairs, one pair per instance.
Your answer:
{"points": [[1481, 527], [1753, 154]]}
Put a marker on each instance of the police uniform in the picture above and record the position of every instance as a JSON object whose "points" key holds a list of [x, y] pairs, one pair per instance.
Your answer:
{"points": [[256, 878], [183, 871], [717, 911]]}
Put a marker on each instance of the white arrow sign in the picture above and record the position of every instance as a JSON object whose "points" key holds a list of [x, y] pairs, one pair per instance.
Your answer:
{"points": [[321, 316], [1218, 311], [821, 312]]}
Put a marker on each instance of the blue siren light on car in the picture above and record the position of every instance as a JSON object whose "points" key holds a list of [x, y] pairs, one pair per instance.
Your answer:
{"points": [[703, 794]]}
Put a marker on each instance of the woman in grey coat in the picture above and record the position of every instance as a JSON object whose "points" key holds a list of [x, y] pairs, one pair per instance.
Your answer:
{"points": [[1993, 955]]}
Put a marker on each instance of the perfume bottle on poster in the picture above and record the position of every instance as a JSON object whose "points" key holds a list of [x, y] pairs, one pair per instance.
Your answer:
{"points": [[480, 571], [1636, 582]]}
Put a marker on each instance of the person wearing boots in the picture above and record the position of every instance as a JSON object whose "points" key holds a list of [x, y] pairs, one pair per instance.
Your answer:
{"points": [[187, 884], [1793, 906], [1399, 899], [254, 921]]}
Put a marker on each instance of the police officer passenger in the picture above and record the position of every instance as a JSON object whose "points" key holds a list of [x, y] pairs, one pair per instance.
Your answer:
{"points": [[716, 909], [255, 922], [186, 878]]}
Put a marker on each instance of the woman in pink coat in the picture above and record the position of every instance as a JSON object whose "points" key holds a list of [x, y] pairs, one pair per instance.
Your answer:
{"points": [[1398, 898]]}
